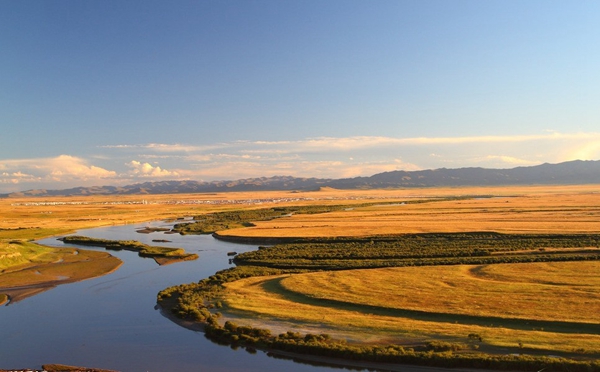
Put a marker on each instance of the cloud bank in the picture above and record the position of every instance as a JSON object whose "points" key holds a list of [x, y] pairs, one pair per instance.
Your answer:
{"points": [[61, 169], [322, 157]]}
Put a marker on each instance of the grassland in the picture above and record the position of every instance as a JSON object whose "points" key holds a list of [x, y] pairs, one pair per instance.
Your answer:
{"points": [[26, 219], [559, 209], [363, 315], [67, 214], [27, 268], [477, 309], [551, 209], [549, 307], [423, 250]]}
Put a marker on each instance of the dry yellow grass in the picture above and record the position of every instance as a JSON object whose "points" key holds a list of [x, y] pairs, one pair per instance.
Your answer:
{"points": [[516, 209], [565, 209], [38, 217], [72, 213], [372, 302], [541, 209], [555, 291]]}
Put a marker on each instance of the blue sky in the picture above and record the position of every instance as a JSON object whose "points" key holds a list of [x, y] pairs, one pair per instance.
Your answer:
{"points": [[118, 92]]}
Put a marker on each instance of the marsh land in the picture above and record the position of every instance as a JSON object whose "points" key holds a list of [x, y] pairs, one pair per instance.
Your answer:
{"points": [[538, 297]]}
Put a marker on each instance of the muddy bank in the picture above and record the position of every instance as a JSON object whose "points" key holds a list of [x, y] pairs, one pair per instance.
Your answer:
{"points": [[30, 281]]}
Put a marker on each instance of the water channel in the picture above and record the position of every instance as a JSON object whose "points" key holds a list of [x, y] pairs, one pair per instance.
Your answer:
{"points": [[111, 322]]}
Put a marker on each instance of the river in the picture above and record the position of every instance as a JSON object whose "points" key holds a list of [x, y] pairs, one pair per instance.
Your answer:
{"points": [[112, 322]]}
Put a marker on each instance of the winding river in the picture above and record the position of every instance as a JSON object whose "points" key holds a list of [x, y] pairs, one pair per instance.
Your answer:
{"points": [[111, 322]]}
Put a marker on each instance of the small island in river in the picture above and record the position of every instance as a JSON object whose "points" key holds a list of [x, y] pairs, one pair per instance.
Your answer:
{"points": [[28, 268], [162, 255]]}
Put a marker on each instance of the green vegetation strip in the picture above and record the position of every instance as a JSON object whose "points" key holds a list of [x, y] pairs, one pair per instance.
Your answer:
{"points": [[197, 301], [210, 223], [143, 250], [200, 301], [424, 250]]}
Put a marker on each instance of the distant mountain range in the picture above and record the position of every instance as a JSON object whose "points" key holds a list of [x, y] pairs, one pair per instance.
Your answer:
{"points": [[567, 173]]}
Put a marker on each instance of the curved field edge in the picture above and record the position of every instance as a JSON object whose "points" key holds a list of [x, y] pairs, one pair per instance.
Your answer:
{"points": [[557, 292], [312, 303], [196, 301], [202, 302]]}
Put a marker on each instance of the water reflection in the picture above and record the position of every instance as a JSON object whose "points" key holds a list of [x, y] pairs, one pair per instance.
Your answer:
{"points": [[111, 322]]}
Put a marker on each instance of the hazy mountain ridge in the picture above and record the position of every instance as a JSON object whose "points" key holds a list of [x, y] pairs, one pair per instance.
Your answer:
{"points": [[572, 172]]}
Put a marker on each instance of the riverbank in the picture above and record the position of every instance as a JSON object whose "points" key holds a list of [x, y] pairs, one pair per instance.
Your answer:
{"points": [[315, 359], [58, 368], [476, 339], [124, 290], [51, 267]]}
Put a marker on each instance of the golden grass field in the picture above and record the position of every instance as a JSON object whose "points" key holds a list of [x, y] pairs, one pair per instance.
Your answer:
{"points": [[516, 209], [535, 209], [372, 304], [25, 219], [558, 303], [373, 299], [47, 216]]}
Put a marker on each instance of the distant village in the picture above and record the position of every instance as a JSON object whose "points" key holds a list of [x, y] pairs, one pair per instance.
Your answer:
{"points": [[204, 201]]}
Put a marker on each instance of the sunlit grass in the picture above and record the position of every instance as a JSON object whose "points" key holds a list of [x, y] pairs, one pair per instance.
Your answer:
{"points": [[32, 233], [556, 291], [448, 303], [547, 209], [14, 253], [574, 209], [24, 263]]}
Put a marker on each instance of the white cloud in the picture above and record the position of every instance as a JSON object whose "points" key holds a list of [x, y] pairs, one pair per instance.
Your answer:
{"points": [[161, 147], [324, 157], [510, 160], [17, 177], [165, 147], [148, 170], [60, 170], [70, 166], [298, 168], [340, 144]]}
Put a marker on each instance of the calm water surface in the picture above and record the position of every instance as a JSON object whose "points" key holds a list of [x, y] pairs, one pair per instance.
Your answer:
{"points": [[111, 322]]}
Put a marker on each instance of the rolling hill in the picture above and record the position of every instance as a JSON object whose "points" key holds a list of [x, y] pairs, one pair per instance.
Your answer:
{"points": [[567, 173]]}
